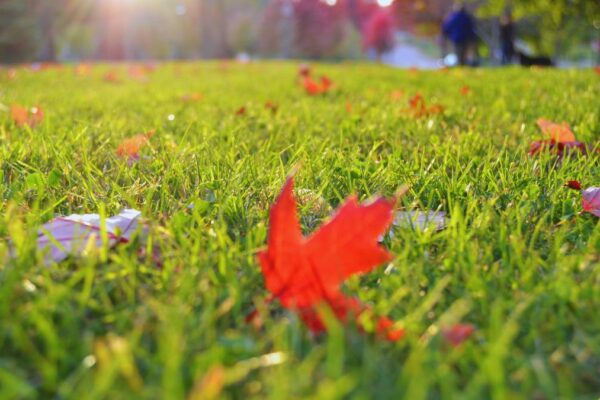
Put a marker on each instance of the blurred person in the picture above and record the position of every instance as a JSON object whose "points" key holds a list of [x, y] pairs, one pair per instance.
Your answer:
{"points": [[507, 36], [459, 28]]}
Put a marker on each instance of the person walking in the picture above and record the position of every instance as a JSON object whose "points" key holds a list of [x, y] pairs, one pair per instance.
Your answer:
{"points": [[459, 28], [507, 36]]}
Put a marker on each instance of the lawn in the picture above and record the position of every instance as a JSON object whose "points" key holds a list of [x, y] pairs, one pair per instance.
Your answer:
{"points": [[517, 259]]}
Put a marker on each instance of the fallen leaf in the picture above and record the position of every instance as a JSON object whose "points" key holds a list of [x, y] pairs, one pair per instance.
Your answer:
{"points": [[70, 235], [314, 88], [83, 69], [457, 334], [559, 133], [590, 197], [326, 83], [574, 185], [397, 95], [23, 116], [111, 76], [192, 97], [130, 147], [560, 140], [303, 273], [269, 105], [558, 148], [591, 200], [311, 87], [349, 107], [418, 107]]}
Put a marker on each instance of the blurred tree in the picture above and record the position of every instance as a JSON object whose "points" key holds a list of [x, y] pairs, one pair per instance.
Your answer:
{"points": [[111, 22], [213, 28], [319, 28], [378, 32], [17, 31], [242, 30], [551, 26]]}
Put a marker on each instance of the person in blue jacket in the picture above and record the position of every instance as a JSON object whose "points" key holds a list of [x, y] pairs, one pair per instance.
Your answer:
{"points": [[459, 28]]}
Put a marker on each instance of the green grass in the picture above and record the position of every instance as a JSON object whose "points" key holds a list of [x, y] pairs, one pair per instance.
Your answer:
{"points": [[516, 261]]}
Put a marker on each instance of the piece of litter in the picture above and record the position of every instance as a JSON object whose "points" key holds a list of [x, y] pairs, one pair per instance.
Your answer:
{"points": [[421, 220], [64, 236]]}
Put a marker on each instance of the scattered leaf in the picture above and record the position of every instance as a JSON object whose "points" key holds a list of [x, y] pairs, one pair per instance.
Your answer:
{"points": [[419, 109], [83, 69], [303, 273], [269, 105], [591, 200], [590, 197], [130, 147], [192, 97], [23, 116], [314, 88], [560, 133], [111, 76], [560, 140], [457, 334], [397, 95]]}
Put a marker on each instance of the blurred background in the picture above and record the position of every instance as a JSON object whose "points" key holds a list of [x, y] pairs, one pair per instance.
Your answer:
{"points": [[398, 32]]}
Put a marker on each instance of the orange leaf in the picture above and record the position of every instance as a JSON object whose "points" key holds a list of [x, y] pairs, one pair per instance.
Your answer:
{"points": [[130, 148], [326, 83], [83, 69], [192, 97], [269, 105], [314, 88], [419, 108], [111, 76], [397, 95], [22, 116], [311, 87], [559, 133]]}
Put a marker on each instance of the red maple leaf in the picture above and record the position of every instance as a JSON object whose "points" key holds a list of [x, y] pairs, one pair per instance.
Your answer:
{"points": [[305, 272]]}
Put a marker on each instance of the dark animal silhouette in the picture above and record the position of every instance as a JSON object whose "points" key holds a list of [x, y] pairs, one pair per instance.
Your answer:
{"points": [[539, 61]]}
